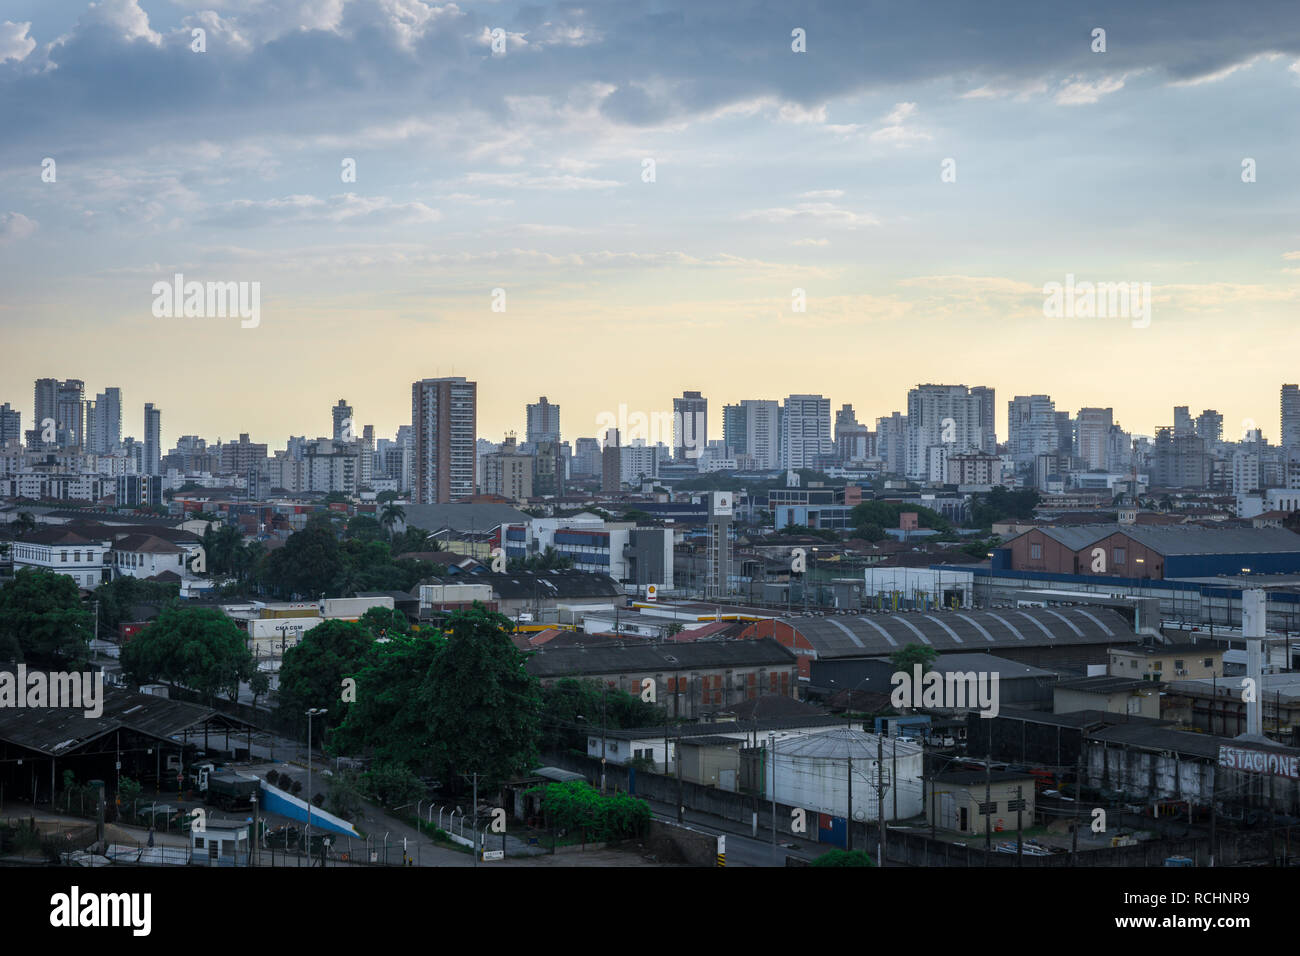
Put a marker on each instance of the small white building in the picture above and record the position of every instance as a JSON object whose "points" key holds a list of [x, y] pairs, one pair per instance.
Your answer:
{"points": [[220, 841], [143, 555], [64, 552]]}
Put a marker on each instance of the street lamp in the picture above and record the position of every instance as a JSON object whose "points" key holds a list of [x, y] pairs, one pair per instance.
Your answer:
{"points": [[314, 712]]}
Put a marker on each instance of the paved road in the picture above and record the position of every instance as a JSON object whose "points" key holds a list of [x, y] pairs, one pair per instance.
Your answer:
{"points": [[743, 849]]}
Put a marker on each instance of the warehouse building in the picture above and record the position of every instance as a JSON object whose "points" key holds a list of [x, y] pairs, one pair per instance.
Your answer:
{"points": [[1051, 638], [692, 680]]}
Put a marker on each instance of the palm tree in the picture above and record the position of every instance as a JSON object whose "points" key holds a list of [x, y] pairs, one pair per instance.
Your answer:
{"points": [[25, 522], [392, 514]]}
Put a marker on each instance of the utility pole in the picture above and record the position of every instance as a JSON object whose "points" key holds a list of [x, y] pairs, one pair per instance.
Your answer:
{"points": [[771, 759], [848, 821], [988, 806], [1078, 797], [475, 823], [1020, 847], [880, 796]]}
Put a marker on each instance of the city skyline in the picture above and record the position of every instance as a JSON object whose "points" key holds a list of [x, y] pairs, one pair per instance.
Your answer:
{"points": [[1270, 425], [647, 214]]}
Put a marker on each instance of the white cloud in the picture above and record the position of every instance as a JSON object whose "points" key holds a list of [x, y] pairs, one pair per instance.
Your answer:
{"points": [[1077, 91], [562, 183], [300, 209], [14, 226], [15, 44], [821, 212], [896, 131], [822, 194]]}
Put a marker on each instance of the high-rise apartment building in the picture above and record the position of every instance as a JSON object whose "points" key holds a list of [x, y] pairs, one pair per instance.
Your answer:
{"points": [[1183, 426], [104, 422], [690, 426], [152, 454], [1209, 425], [586, 458], [1092, 437], [508, 472], [543, 422], [734, 438], [1031, 429], [853, 440], [805, 431], [946, 416], [444, 419], [63, 404], [11, 425], [1291, 416], [344, 429]]}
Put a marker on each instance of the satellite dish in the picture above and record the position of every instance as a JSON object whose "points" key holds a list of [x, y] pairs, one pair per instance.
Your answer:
{"points": [[859, 814]]}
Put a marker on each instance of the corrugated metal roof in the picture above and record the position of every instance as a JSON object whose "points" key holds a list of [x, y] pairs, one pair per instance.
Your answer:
{"points": [[550, 662], [874, 635], [61, 730], [842, 744]]}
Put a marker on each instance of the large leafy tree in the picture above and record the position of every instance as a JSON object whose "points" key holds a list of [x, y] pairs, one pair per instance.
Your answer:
{"points": [[456, 703], [43, 620], [572, 708], [309, 563], [313, 670], [482, 699], [120, 599], [389, 719], [199, 648]]}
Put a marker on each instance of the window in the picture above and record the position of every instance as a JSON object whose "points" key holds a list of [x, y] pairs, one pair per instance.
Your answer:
{"points": [[1180, 665], [198, 843], [63, 557], [1036, 552], [1208, 662], [1119, 555], [1133, 664]]}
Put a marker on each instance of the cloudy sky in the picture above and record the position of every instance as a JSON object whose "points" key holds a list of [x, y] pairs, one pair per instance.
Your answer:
{"points": [[523, 165]]}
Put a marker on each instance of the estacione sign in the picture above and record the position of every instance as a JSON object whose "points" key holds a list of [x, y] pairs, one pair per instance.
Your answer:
{"points": [[1260, 761]]}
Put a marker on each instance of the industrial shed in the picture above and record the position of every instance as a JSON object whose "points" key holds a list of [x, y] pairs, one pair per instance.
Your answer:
{"points": [[1043, 637], [37, 745]]}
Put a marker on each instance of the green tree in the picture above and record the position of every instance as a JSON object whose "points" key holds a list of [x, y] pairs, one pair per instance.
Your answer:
{"points": [[392, 784], [391, 515], [199, 648], [414, 539], [482, 699], [365, 528], [905, 658], [309, 563], [389, 719], [312, 672], [572, 708], [43, 620], [122, 599], [24, 523]]}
